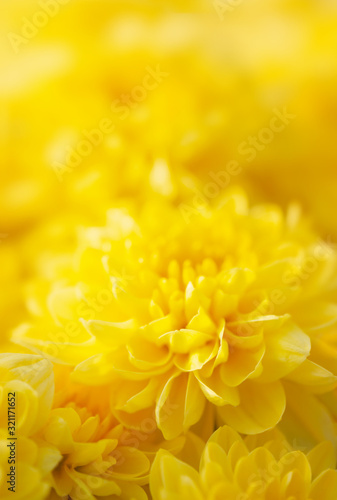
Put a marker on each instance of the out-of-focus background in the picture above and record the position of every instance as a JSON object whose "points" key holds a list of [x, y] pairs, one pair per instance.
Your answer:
{"points": [[106, 103]]}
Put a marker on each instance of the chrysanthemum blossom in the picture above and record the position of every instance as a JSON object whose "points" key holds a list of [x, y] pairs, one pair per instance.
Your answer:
{"points": [[101, 459], [94, 464], [74, 449], [172, 315], [230, 469]]}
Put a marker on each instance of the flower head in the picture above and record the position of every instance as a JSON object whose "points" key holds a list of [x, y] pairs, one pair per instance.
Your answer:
{"points": [[76, 448], [214, 310], [94, 464]]}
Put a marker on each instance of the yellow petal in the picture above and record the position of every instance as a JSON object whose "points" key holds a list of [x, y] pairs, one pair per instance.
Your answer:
{"points": [[94, 371], [170, 478], [286, 348], [196, 358], [216, 391], [59, 348], [306, 420], [86, 486], [85, 453], [293, 486], [255, 468], [241, 364], [180, 405], [131, 491], [202, 322], [194, 299], [183, 341], [132, 396], [261, 408], [110, 334], [48, 458], [215, 466], [322, 457], [325, 486], [236, 280], [314, 377], [226, 437], [131, 463], [296, 460], [145, 355], [58, 433]]}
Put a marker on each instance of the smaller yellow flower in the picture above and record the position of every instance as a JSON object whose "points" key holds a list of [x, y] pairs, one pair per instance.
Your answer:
{"points": [[235, 469], [94, 465], [100, 458]]}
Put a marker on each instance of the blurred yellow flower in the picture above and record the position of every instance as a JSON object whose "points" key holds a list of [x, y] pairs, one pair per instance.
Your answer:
{"points": [[226, 77], [28, 382], [231, 469]]}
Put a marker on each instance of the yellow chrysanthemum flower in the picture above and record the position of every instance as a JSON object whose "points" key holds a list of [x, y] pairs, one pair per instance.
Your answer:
{"points": [[76, 449], [231, 470], [213, 310], [93, 465], [100, 458]]}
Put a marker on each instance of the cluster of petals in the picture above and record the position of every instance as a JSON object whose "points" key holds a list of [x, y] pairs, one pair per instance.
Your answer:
{"points": [[236, 469]]}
